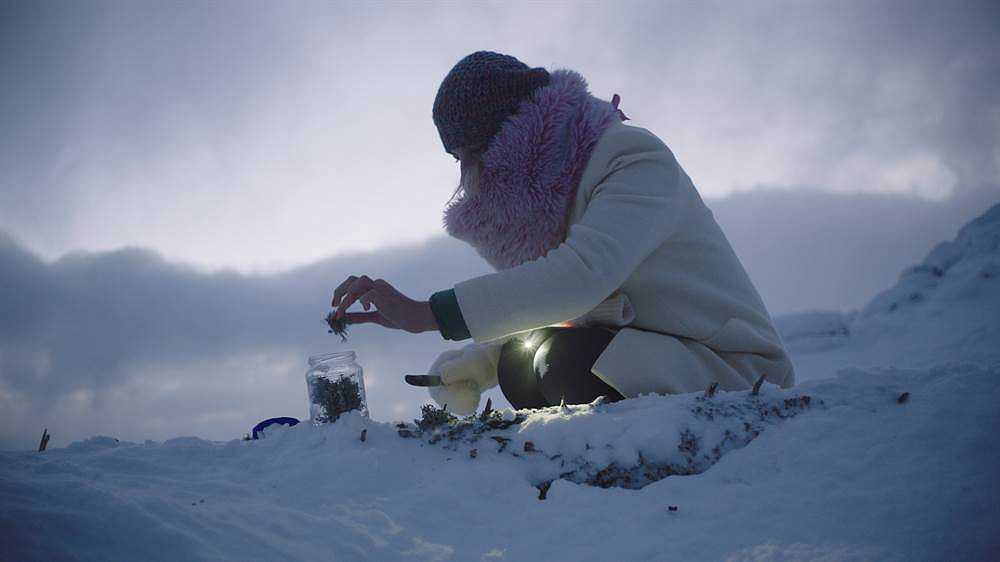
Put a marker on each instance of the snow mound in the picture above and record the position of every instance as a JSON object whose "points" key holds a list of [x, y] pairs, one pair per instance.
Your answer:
{"points": [[864, 477], [892, 457], [628, 444]]}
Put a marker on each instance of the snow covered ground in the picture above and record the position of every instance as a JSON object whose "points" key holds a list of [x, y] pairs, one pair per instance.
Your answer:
{"points": [[857, 471]]}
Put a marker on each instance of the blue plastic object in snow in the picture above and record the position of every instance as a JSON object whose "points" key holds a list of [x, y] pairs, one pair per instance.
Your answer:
{"points": [[259, 428]]}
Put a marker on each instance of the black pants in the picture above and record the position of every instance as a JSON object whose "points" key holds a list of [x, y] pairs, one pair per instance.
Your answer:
{"points": [[553, 364]]}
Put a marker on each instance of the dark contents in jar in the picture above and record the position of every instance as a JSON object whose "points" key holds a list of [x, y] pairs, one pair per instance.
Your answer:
{"points": [[336, 397], [337, 325]]}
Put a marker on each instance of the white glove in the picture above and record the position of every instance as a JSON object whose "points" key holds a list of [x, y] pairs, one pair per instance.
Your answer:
{"points": [[465, 374]]}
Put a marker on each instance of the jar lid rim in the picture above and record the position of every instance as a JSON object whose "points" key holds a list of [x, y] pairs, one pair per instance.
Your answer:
{"points": [[349, 355]]}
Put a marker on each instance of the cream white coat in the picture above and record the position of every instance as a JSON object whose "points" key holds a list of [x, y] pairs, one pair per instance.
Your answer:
{"points": [[643, 253]]}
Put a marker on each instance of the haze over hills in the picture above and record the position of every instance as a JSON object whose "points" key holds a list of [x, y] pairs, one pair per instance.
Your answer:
{"points": [[131, 344]]}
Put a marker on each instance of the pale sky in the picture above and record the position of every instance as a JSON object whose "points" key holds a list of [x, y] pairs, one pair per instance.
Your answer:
{"points": [[260, 136], [183, 184]]}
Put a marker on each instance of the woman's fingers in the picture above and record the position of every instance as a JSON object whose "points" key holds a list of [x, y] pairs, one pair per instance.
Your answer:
{"points": [[392, 308], [367, 299], [339, 293], [360, 286], [365, 290], [368, 318], [384, 287]]}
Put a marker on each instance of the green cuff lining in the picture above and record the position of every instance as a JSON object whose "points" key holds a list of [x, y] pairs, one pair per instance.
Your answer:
{"points": [[451, 324]]}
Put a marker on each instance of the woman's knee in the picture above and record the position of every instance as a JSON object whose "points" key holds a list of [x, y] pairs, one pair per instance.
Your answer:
{"points": [[563, 362], [517, 377]]}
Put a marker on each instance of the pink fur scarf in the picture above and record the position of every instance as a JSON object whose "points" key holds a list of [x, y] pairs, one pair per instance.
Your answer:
{"points": [[531, 171]]}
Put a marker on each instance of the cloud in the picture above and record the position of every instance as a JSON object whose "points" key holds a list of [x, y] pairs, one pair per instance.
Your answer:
{"points": [[226, 136], [807, 249], [128, 344], [891, 97]]}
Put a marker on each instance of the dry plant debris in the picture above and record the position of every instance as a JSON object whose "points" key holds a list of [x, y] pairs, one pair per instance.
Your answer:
{"points": [[337, 326], [336, 397]]}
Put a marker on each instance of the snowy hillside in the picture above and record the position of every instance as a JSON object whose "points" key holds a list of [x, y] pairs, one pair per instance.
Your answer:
{"points": [[946, 307], [886, 450]]}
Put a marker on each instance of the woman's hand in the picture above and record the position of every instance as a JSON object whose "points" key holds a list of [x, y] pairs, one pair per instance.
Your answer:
{"points": [[392, 308]]}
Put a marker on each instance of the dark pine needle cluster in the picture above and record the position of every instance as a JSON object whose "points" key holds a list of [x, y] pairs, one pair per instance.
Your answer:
{"points": [[336, 397], [337, 325]]}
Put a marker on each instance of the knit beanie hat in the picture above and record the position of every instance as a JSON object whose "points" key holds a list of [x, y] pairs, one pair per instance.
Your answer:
{"points": [[479, 93]]}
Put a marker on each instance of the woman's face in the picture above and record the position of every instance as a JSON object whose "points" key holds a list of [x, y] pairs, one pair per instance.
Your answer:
{"points": [[470, 168]]}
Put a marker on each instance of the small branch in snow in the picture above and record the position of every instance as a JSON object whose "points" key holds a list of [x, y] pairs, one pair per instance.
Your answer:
{"points": [[501, 440], [45, 440], [486, 411], [903, 398], [433, 417], [756, 386], [543, 489], [710, 391]]}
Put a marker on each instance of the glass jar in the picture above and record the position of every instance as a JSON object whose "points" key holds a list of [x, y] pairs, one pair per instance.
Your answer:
{"points": [[336, 384]]}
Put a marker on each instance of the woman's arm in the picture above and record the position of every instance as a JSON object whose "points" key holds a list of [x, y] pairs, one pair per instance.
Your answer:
{"points": [[629, 214]]}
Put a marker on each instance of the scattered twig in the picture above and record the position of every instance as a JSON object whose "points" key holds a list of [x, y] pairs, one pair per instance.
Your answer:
{"points": [[798, 401], [710, 391], [45, 440], [562, 405], [543, 489], [756, 386], [473, 453], [487, 410], [433, 417], [529, 447], [903, 398], [364, 435], [501, 440], [672, 508]]}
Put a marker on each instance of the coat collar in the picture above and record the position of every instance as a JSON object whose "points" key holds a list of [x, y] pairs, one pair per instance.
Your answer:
{"points": [[531, 171]]}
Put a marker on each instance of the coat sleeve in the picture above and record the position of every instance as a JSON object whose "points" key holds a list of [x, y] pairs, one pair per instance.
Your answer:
{"points": [[449, 319], [630, 213]]}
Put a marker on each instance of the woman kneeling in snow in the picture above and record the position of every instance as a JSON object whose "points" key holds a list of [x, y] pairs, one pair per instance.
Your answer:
{"points": [[613, 277]]}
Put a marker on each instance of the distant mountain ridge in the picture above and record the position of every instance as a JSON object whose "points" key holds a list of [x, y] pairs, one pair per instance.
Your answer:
{"points": [[946, 308], [954, 270]]}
